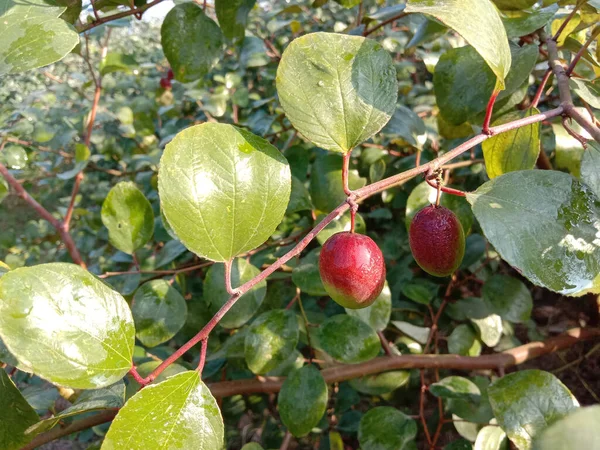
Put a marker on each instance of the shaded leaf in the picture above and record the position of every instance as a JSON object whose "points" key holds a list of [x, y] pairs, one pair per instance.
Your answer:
{"points": [[15, 415], [233, 17], [386, 428], [509, 298], [590, 167], [348, 339], [578, 430]]}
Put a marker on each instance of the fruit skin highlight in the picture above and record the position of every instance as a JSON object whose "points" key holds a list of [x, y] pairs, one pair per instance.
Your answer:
{"points": [[352, 269], [437, 240]]}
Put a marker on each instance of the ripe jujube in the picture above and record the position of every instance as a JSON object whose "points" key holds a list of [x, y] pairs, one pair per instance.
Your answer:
{"points": [[437, 240], [352, 269]]}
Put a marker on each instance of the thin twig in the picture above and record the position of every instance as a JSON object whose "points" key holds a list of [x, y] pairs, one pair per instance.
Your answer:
{"points": [[139, 11], [384, 23], [582, 50]]}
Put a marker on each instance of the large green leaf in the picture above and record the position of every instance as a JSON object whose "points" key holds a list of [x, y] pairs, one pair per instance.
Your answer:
{"points": [[179, 413], [233, 16], [514, 150], [509, 297], [545, 224], [463, 83], [590, 167], [578, 430], [302, 400], [526, 402], [270, 340], [159, 312], [111, 397], [337, 90], [32, 35], [377, 315], [15, 415], [478, 22], [348, 339], [524, 23], [222, 189], [192, 42], [64, 325], [128, 215], [386, 428], [215, 292], [381, 383]]}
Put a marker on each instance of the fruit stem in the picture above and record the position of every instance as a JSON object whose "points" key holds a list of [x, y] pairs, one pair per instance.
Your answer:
{"points": [[488, 113], [228, 287], [204, 345], [439, 185], [347, 191]]}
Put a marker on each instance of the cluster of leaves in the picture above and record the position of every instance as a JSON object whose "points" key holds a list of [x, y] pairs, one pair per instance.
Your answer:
{"points": [[182, 181]]}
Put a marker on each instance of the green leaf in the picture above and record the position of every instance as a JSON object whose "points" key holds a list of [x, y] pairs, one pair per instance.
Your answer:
{"points": [[460, 444], [514, 5], [420, 290], [386, 428], [509, 298], [326, 189], [342, 223], [567, 30], [578, 430], [491, 438], [15, 415], [82, 153], [514, 150], [477, 412], [219, 177], [302, 400], [545, 224], [337, 90], [381, 383], [348, 339], [299, 197], [526, 402], [463, 83], [270, 340], [419, 334], [254, 53], [215, 292], [14, 157], [64, 325], [490, 329], [463, 341], [456, 387], [306, 274], [590, 167], [117, 62], [32, 35], [348, 3], [128, 215], [4, 191], [233, 17], [159, 312], [586, 90], [488, 37], [191, 41], [179, 413], [378, 314], [252, 446], [524, 23], [111, 397], [407, 125]]}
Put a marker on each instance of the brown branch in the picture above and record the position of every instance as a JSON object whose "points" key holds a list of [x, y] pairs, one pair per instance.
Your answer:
{"points": [[384, 23], [139, 11]]}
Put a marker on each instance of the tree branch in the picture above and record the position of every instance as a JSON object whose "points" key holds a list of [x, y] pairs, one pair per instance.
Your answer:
{"points": [[139, 11]]}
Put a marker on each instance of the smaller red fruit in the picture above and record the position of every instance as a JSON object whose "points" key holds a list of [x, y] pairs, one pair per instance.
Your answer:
{"points": [[170, 74], [352, 269], [437, 240], [165, 83]]}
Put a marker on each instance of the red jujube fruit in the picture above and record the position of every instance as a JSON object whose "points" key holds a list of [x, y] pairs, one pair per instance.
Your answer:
{"points": [[437, 240], [352, 269]]}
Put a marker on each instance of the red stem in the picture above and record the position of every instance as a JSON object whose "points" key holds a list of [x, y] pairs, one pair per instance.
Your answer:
{"points": [[488, 112], [204, 345], [228, 287], [445, 189], [582, 50], [540, 89]]}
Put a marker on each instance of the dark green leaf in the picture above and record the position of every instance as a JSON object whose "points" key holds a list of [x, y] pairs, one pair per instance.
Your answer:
{"points": [[463, 341], [456, 387], [233, 16], [545, 224], [337, 90], [117, 62], [526, 402], [406, 125], [254, 53], [342, 223], [192, 42], [64, 325], [306, 274], [215, 292], [524, 23], [509, 298], [587, 90], [219, 177], [348, 339], [381, 383], [302, 400], [299, 198], [15, 415], [590, 167], [386, 428], [179, 413]]}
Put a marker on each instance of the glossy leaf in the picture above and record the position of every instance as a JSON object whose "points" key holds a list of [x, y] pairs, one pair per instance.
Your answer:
{"points": [[509, 298], [514, 150], [525, 23], [302, 400], [15, 415], [545, 224], [455, 387], [490, 329], [111, 397], [128, 215], [525, 402], [159, 311], [337, 90], [215, 292], [191, 41], [463, 341], [381, 383], [386, 428], [419, 334], [222, 189], [233, 16], [348, 339], [270, 339], [578, 430], [179, 413], [488, 37], [377, 315], [491, 438], [14, 157], [306, 274], [64, 325], [590, 167], [32, 35], [476, 412]]}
